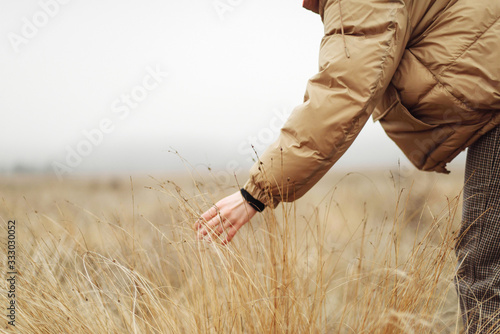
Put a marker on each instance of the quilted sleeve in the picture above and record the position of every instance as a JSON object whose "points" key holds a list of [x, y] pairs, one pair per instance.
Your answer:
{"points": [[363, 44]]}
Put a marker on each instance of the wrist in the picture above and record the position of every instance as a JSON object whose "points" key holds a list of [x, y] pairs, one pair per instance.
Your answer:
{"points": [[254, 203]]}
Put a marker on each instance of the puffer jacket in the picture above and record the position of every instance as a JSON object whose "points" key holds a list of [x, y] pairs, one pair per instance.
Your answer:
{"points": [[428, 70]]}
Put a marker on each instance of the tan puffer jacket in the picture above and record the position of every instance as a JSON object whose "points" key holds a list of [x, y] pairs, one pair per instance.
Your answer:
{"points": [[428, 70]]}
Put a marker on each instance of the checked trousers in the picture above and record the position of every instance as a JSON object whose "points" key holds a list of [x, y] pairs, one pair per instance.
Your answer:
{"points": [[478, 245]]}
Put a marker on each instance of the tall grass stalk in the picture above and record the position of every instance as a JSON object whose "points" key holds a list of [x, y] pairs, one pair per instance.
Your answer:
{"points": [[141, 270]]}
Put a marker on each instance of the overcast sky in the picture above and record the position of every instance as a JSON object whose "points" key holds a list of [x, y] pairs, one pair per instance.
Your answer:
{"points": [[113, 85]]}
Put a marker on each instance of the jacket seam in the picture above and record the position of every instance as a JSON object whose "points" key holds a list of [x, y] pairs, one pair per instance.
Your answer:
{"points": [[431, 24], [456, 152], [469, 46], [441, 84], [382, 66], [355, 124], [436, 76], [436, 80]]}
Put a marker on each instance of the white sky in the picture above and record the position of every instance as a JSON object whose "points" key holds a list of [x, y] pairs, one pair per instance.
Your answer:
{"points": [[227, 76]]}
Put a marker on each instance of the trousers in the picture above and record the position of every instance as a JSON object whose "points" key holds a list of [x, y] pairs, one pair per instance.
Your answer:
{"points": [[478, 246]]}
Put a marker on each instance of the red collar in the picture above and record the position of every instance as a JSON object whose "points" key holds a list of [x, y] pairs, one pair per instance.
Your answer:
{"points": [[311, 5]]}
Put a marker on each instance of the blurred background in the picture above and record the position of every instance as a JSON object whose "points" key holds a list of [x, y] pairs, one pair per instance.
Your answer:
{"points": [[101, 94], [116, 86]]}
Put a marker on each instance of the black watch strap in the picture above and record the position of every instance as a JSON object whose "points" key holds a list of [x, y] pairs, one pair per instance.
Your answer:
{"points": [[256, 204]]}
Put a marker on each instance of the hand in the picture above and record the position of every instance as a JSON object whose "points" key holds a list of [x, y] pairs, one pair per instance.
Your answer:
{"points": [[227, 215]]}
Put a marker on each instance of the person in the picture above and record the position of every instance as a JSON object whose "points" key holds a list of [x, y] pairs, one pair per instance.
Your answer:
{"points": [[429, 72]]}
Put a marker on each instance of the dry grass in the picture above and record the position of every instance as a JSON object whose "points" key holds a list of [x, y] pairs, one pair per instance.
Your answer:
{"points": [[361, 253]]}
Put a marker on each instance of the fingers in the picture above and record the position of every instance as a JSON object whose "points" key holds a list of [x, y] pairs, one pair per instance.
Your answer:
{"points": [[210, 213], [231, 232], [214, 225], [217, 226], [226, 217], [206, 217]]}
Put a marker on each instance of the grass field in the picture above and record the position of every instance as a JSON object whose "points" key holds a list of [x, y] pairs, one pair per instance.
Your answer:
{"points": [[360, 253]]}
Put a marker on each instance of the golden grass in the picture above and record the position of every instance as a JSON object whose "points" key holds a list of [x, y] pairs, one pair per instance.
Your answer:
{"points": [[361, 253]]}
